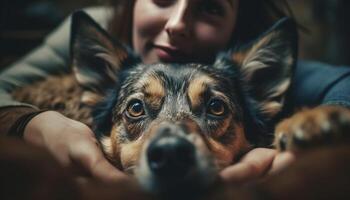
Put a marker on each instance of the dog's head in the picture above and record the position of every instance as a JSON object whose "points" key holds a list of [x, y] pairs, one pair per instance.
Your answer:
{"points": [[172, 124]]}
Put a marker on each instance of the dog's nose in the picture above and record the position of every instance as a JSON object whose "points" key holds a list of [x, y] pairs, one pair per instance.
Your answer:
{"points": [[171, 156]]}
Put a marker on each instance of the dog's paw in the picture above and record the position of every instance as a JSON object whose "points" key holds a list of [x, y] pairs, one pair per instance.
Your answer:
{"points": [[313, 127]]}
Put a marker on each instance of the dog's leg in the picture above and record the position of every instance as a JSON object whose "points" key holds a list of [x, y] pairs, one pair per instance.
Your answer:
{"points": [[313, 127]]}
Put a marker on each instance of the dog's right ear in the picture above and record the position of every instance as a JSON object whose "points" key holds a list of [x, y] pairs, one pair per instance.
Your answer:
{"points": [[267, 65], [96, 58]]}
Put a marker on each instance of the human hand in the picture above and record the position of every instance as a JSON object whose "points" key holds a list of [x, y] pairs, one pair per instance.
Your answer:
{"points": [[73, 144], [30, 172], [256, 164]]}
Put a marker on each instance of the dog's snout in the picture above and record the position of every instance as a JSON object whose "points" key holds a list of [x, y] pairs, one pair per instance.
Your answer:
{"points": [[170, 156]]}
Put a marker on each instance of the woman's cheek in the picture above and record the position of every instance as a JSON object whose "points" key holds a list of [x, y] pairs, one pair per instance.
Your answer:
{"points": [[148, 19], [213, 38]]}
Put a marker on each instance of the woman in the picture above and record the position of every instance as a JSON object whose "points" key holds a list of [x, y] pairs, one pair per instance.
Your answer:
{"points": [[159, 30]]}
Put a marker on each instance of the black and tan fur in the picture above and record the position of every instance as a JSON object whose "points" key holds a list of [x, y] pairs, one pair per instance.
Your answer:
{"points": [[222, 109]]}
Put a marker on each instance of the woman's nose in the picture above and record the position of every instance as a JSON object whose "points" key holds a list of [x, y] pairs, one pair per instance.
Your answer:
{"points": [[178, 24]]}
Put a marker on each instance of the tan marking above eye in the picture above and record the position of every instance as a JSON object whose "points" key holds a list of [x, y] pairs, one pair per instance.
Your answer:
{"points": [[197, 87], [153, 90], [153, 87]]}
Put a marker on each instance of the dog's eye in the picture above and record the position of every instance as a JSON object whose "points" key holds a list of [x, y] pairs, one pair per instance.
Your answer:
{"points": [[216, 107], [135, 108]]}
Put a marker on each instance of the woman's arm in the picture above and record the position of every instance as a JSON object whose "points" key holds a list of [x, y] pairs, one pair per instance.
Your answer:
{"points": [[318, 83], [51, 57], [314, 84], [71, 142]]}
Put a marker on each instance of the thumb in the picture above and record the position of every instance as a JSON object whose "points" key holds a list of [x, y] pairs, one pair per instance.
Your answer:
{"points": [[88, 156], [282, 161], [104, 171], [252, 166]]}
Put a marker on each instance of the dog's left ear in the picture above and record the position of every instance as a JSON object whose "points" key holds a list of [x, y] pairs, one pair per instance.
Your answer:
{"points": [[267, 65], [96, 58]]}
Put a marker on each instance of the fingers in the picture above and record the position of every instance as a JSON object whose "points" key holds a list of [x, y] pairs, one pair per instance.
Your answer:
{"points": [[89, 157], [253, 165], [103, 170], [281, 161], [73, 144]]}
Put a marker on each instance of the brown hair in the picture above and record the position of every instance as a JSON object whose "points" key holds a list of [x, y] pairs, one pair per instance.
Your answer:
{"points": [[254, 17], [121, 23]]}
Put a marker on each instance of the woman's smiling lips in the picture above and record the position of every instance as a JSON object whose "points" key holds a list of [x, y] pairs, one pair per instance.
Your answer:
{"points": [[169, 54]]}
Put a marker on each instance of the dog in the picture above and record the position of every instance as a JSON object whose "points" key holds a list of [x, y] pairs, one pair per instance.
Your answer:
{"points": [[175, 125]]}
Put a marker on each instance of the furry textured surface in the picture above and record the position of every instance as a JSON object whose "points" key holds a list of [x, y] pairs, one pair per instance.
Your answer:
{"points": [[220, 109], [207, 114], [61, 93]]}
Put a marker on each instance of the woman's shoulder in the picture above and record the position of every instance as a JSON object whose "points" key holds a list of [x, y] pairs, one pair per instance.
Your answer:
{"points": [[308, 73], [101, 14], [58, 39], [314, 80], [304, 66]]}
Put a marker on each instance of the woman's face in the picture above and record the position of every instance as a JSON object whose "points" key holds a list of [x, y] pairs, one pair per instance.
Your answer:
{"points": [[182, 30]]}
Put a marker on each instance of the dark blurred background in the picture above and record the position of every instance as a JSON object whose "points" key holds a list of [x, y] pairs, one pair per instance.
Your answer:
{"points": [[24, 23], [328, 24]]}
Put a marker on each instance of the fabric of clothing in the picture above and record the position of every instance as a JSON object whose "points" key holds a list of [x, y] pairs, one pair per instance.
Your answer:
{"points": [[52, 57], [10, 116], [314, 83]]}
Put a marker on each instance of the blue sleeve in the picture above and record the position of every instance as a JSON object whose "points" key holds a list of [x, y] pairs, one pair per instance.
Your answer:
{"points": [[317, 83], [339, 93]]}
